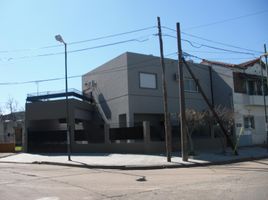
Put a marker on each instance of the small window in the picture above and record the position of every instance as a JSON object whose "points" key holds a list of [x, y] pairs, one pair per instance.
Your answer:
{"points": [[190, 86], [148, 80], [249, 122], [251, 88]]}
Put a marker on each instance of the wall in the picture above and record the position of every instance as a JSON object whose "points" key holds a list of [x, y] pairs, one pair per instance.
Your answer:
{"points": [[151, 100], [12, 128], [222, 81], [118, 84], [112, 87], [45, 117], [223, 86]]}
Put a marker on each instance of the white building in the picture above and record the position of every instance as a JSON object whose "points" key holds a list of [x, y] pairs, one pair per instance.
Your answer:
{"points": [[243, 92], [12, 128]]}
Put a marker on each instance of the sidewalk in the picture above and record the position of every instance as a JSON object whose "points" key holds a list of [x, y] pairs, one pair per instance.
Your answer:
{"points": [[135, 161]]}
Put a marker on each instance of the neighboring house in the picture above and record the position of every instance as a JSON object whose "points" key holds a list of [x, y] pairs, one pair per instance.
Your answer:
{"points": [[239, 86], [12, 128], [129, 88]]}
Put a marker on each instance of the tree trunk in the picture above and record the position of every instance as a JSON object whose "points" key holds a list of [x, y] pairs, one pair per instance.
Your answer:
{"points": [[191, 143]]}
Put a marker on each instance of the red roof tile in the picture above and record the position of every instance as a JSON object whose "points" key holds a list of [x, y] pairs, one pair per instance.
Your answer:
{"points": [[250, 63], [241, 65]]}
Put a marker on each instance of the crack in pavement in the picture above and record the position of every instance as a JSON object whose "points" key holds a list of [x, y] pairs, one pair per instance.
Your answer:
{"points": [[131, 194]]}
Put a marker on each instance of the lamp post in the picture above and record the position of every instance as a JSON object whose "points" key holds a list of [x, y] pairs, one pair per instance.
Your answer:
{"points": [[59, 38]]}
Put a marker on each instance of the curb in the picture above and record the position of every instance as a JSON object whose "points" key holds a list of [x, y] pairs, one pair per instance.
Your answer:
{"points": [[8, 155], [136, 167]]}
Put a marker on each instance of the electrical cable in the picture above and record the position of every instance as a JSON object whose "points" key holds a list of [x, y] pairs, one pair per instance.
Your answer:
{"points": [[115, 69], [212, 41], [38, 81], [85, 49], [208, 46], [81, 41], [227, 20]]}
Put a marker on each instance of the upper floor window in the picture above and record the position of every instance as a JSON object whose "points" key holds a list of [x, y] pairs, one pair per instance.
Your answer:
{"points": [[249, 84], [189, 85], [148, 80]]}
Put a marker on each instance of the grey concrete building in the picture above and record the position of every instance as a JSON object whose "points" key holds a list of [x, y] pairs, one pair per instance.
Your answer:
{"points": [[129, 88], [119, 110]]}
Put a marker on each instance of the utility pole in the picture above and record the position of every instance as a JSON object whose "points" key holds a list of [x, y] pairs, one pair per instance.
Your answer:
{"points": [[266, 118], [164, 88], [266, 64], [216, 116], [184, 142]]}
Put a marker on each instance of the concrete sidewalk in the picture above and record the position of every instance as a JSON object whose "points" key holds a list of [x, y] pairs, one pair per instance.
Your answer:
{"points": [[135, 161]]}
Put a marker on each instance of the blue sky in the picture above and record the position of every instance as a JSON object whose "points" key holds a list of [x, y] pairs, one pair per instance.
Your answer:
{"points": [[29, 25]]}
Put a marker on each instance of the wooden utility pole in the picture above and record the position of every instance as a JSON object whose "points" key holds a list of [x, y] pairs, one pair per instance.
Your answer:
{"points": [[216, 116], [265, 51], [184, 142], [164, 88]]}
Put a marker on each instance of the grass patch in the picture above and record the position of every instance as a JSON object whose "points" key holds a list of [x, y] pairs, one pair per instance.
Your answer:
{"points": [[18, 148]]}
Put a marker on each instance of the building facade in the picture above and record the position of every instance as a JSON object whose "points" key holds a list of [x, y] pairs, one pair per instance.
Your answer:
{"points": [[243, 87], [129, 88], [121, 106]]}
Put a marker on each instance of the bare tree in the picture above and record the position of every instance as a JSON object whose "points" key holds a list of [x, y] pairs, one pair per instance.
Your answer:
{"points": [[1, 114], [226, 116], [12, 106], [194, 120]]}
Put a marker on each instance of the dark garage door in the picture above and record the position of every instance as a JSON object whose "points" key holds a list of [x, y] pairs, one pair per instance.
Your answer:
{"points": [[47, 142]]}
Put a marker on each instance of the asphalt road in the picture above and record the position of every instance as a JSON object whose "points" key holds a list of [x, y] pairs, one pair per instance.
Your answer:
{"points": [[247, 180]]}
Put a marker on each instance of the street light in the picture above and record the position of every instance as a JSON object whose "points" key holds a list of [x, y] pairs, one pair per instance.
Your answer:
{"points": [[59, 38]]}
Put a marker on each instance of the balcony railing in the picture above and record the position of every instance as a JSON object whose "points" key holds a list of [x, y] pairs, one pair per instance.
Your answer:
{"points": [[245, 99], [41, 96], [53, 92]]}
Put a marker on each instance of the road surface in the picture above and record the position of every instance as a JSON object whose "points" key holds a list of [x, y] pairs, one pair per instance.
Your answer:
{"points": [[246, 180]]}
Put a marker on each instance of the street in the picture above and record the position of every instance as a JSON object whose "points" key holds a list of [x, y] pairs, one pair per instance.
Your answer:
{"points": [[246, 180]]}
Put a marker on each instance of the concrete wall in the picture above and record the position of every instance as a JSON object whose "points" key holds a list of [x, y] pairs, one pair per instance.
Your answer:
{"points": [[222, 83], [112, 87], [118, 83], [46, 121], [46, 116], [151, 100]]}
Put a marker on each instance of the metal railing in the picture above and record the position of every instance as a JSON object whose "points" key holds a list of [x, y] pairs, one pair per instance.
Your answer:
{"points": [[54, 92]]}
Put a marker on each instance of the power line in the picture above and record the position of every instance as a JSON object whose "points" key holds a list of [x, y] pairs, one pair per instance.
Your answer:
{"points": [[38, 81], [227, 20], [221, 43], [210, 52], [84, 49], [115, 69], [81, 41], [206, 69], [209, 46], [213, 41], [113, 35], [111, 70]]}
